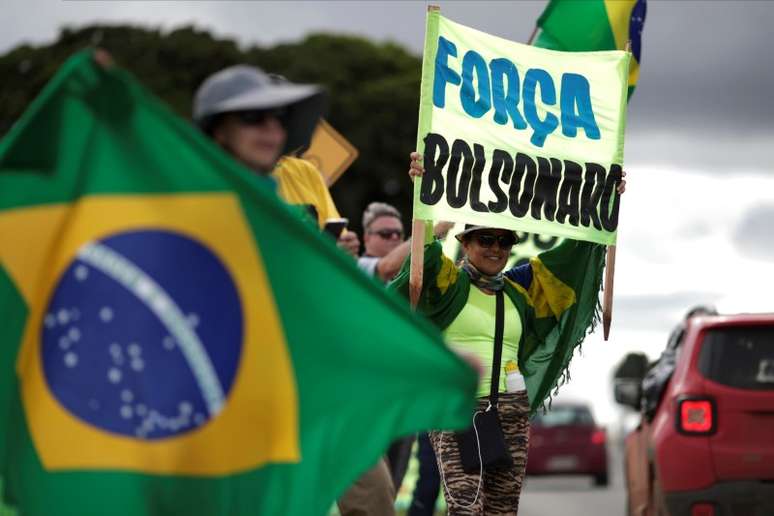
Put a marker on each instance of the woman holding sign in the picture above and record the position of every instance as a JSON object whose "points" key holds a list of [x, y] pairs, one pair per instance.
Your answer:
{"points": [[523, 326]]}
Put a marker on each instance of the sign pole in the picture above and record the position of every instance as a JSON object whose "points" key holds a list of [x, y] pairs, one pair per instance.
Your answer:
{"points": [[418, 241], [532, 36], [607, 303], [417, 261]]}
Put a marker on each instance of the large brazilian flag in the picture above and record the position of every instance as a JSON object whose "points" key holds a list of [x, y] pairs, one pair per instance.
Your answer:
{"points": [[586, 25], [175, 340]]}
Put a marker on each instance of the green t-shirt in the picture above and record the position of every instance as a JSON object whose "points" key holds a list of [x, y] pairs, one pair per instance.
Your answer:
{"points": [[473, 331]]}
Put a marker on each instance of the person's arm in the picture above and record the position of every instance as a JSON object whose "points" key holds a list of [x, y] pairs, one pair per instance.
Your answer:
{"points": [[308, 186], [325, 205], [439, 274], [389, 265], [348, 240], [367, 264]]}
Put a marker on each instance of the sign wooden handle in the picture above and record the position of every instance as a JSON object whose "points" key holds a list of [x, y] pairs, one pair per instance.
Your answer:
{"points": [[417, 265], [417, 261], [532, 36], [607, 303]]}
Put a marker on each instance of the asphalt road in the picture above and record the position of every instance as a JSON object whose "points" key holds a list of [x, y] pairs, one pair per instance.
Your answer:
{"points": [[576, 495]]}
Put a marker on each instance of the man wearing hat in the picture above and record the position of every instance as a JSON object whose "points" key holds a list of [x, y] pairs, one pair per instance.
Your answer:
{"points": [[261, 120]]}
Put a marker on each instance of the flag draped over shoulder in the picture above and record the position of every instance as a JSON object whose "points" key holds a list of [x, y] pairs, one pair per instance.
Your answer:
{"points": [[579, 26], [558, 305], [175, 340]]}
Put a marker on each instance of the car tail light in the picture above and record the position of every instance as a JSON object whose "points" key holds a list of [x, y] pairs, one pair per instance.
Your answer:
{"points": [[703, 509], [598, 437], [696, 416]]}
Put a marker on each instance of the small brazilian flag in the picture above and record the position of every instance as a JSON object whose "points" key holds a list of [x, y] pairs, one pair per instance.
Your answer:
{"points": [[175, 340], [587, 25]]}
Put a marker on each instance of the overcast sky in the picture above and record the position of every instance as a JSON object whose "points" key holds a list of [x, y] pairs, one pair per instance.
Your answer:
{"points": [[706, 65], [696, 221]]}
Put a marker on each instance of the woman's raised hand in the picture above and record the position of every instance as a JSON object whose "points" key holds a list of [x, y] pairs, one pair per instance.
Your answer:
{"points": [[621, 188], [442, 228], [415, 168]]}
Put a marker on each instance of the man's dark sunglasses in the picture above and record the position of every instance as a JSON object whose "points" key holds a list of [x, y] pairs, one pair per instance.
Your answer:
{"points": [[388, 233], [260, 116], [487, 240]]}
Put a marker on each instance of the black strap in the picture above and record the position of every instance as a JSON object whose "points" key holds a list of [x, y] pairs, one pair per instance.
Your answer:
{"points": [[494, 390]]}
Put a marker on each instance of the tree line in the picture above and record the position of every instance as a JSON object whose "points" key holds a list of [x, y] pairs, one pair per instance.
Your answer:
{"points": [[373, 87]]}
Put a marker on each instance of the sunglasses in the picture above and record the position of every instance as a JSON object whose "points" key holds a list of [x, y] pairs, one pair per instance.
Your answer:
{"points": [[388, 233], [261, 116], [487, 240]]}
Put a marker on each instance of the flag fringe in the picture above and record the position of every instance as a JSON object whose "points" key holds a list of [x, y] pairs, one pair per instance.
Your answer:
{"points": [[591, 326]]}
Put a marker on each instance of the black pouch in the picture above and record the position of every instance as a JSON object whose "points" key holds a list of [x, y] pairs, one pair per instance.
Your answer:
{"points": [[494, 450], [490, 441]]}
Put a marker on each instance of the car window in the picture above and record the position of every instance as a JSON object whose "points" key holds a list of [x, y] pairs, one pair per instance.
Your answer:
{"points": [[564, 415], [740, 357]]}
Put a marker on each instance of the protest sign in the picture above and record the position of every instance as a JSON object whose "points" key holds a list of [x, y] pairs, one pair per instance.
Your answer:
{"points": [[520, 137]]}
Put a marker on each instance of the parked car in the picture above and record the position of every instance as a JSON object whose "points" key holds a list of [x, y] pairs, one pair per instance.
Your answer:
{"points": [[707, 447], [566, 441]]}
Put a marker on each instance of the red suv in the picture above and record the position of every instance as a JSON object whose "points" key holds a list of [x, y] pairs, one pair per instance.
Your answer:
{"points": [[707, 446]]}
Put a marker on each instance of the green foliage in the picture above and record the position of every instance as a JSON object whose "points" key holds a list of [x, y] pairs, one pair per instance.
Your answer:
{"points": [[374, 90]]}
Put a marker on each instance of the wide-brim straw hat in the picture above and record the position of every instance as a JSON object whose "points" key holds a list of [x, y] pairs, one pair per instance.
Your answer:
{"points": [[470, 228]]}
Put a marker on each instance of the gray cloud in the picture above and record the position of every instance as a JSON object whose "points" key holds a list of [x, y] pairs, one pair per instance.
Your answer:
{"points": [[703, 97], [706, 62], [658, 312], [708, 147], [754, 235], [694, 230]]}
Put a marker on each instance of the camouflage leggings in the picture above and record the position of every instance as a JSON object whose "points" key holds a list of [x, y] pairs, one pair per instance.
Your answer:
{"points": [[500, 489]]}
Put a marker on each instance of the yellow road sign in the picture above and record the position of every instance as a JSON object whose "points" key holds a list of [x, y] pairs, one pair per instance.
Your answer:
{"points": [[330, 152]]}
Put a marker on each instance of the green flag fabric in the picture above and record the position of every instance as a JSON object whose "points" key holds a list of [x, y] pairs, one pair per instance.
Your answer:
{"points": [[175, 340], [586, 25]]}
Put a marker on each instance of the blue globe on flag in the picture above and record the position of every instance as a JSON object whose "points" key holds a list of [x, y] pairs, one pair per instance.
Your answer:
{"points": [[143, 334]]}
